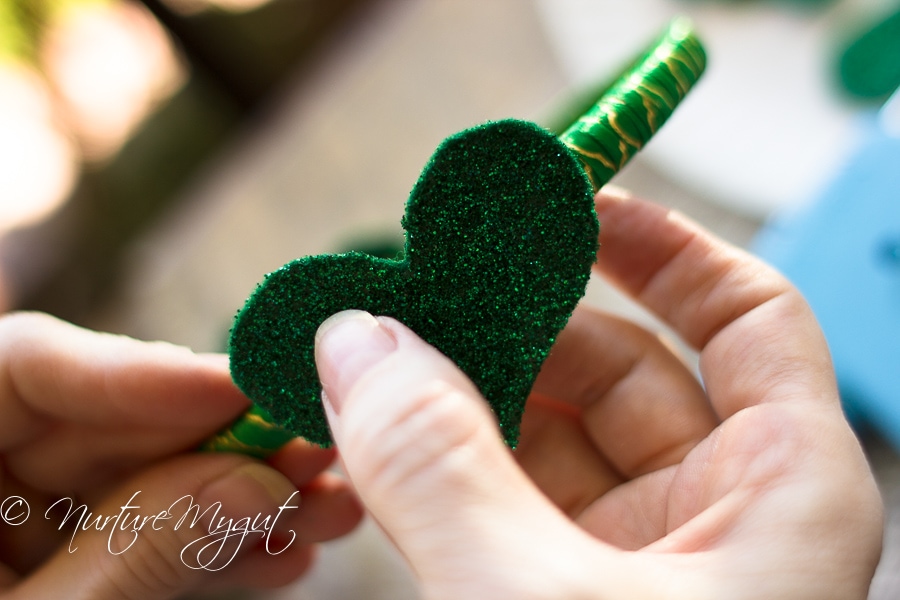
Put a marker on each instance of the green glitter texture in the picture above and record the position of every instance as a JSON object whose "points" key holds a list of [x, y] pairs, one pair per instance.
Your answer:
{"points": [[500, 237]]}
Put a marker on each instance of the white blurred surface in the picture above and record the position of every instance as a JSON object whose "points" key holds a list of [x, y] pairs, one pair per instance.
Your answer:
{"points": [[765, 127]]}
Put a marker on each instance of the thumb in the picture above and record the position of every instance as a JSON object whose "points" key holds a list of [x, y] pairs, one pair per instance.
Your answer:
{"points": [[173, 527], [425, 455]]}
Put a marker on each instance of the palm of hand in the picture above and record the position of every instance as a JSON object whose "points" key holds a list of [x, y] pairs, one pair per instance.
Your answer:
{"points": [[621, 436], [683, 489]]}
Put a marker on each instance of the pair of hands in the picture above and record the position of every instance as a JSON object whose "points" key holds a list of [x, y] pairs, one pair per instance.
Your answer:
{"points": [[630, 481]]}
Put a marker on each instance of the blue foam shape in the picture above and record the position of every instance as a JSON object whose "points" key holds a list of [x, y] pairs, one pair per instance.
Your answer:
{"points": [[843, 253]]}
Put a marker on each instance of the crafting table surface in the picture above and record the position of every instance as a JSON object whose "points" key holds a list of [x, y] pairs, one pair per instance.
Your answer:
{"points": [[332, 161]]}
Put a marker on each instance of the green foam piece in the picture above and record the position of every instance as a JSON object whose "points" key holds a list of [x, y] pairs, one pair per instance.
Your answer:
{"points": [[870, 66], [501, 234]]}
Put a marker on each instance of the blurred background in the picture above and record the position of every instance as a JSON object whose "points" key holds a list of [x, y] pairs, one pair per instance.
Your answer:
{"points": [[158, 157]]}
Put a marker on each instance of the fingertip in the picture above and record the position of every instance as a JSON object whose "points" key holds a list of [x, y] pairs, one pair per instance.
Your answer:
{"points": [[348, 344], [300, 461], [216, 360], [637, 238], [329, 509], [612, 194]]}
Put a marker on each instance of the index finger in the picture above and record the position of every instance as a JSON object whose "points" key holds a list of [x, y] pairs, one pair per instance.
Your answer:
{"points": [[758, 340], [50, 369], [77, 405]]}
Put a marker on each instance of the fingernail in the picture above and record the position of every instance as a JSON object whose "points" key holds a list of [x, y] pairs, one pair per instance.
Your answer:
{"points": [[614, 193], [347, 344]]}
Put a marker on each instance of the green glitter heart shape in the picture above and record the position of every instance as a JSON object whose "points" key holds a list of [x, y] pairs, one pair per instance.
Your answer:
{"points": [[500, 237], [496, 216]]}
